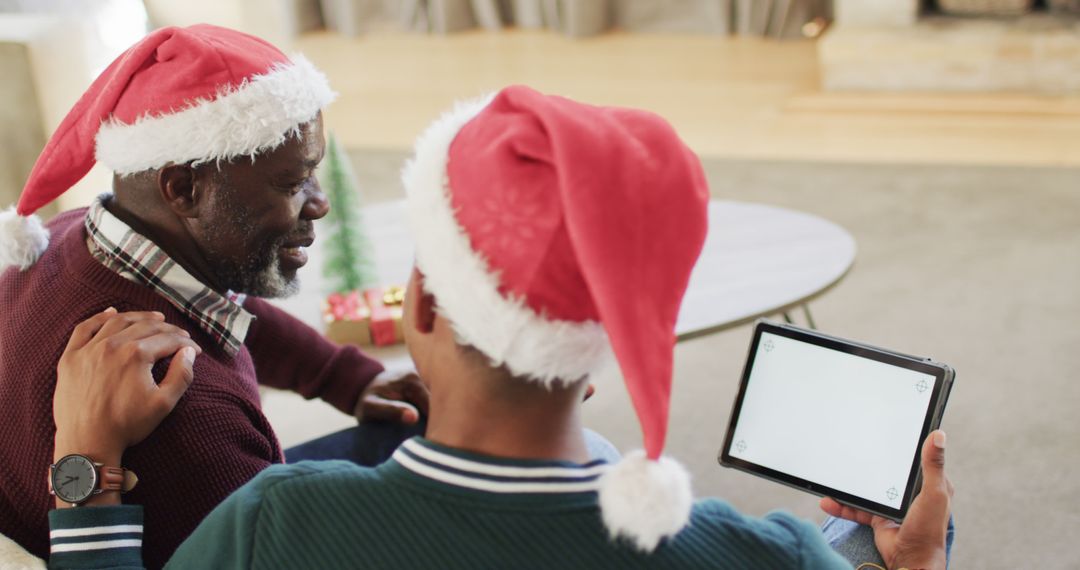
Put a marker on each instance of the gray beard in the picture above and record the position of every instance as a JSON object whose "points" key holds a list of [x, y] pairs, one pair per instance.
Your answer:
{"points": [[271, 283], [260, 275]]}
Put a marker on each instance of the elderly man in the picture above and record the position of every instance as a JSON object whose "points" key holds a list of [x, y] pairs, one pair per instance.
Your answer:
{"points": [[214, 137], [549, 235]]}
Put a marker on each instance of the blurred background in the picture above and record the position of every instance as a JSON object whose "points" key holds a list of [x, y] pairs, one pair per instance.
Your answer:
{"points": [[941, 134]]}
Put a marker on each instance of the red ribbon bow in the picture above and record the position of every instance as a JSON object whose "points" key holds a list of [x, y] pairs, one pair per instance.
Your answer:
{"points": [[347, 307]]}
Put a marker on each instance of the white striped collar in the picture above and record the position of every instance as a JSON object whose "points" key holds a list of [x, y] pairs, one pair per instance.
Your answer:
{"points": [[495, 475]]}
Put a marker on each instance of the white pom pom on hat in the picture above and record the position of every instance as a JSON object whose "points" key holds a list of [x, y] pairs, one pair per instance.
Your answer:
{"points": [[195, 94], [24, 239], [554, 233], [645, 501]]}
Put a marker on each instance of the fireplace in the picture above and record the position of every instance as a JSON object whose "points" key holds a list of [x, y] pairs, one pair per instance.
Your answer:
{"points": [[950, 45]]}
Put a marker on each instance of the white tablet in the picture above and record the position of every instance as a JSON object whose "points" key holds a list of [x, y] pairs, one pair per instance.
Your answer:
{"points": [[835, 418]]}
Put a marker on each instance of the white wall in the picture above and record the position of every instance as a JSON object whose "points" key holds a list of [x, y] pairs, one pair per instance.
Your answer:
{"points": [[273, 20], [69, 42], [875, 12]]}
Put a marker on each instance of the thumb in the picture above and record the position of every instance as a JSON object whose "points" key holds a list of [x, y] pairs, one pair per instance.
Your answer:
{"points": [[933, 459], [179, 377], [922, 535]]}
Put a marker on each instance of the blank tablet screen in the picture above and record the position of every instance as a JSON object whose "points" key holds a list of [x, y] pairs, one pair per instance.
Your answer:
{"points": [[831, 418]]}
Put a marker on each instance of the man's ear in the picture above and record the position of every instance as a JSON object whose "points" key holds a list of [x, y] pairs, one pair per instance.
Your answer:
{"points": [[424, 305], [178, 186]]}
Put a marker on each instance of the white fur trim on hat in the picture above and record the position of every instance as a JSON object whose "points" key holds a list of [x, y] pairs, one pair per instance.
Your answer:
{"points": [[465, 287], [22, 239], [257, 115], [645, 501]]}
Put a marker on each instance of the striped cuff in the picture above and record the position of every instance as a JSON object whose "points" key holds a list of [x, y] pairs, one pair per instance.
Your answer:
{"points": [[96, 537]]}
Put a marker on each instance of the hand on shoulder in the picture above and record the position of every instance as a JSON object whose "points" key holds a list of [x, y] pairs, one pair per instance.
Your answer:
{"points": [[106, 399]]}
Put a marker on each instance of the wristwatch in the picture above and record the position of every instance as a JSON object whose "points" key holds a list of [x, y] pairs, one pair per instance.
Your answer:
{"points": [[76, 478]]}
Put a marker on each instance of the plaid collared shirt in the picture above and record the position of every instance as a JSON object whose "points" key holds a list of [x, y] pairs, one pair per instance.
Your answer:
{"points": [[134, 257]]}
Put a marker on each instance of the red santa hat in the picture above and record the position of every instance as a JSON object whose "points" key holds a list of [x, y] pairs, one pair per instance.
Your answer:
{"points": [[195, 94], [553, 233]]}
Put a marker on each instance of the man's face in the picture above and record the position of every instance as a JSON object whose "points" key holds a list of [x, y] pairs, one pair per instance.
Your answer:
{"points": [[259, 216]]}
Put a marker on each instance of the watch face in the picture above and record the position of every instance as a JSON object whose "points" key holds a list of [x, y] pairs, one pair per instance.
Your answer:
{"points": [[74, 479]]}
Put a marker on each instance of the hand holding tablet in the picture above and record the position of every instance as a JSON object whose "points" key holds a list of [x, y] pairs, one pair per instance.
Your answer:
{"points": [[920, 541], [851, 422]]}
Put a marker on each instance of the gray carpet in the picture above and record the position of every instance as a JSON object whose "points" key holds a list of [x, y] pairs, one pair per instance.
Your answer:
{"points": [[977, 267]]}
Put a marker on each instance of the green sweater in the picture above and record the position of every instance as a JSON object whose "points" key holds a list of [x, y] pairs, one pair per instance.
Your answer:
{"points": [[436, 507]]}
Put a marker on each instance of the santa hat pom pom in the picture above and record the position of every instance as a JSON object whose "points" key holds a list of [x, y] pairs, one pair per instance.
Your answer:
{"points": [[645, 501], [22, 239]]}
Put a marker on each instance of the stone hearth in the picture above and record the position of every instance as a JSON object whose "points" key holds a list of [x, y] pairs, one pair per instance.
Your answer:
{"points": [[889, 45]]}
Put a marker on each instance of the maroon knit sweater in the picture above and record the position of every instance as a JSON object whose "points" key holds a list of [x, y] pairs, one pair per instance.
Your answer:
{"points": [[212, 443]]}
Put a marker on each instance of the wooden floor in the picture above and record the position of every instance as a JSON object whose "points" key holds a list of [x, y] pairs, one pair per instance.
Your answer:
{"points": [[738, 98]]}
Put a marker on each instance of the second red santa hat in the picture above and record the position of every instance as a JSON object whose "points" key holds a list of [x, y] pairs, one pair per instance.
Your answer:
{"points": [[196, 94], [553, 233]]}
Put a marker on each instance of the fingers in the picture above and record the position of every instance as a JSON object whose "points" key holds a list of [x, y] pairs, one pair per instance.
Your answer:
{"points": [[163, 343], [831, 507], [380, 409], [144, 329], [121, 321], [398, 385], [86, 330], [179, 377], [834, 508], [417, 394], [589, 391], [143, 337]]}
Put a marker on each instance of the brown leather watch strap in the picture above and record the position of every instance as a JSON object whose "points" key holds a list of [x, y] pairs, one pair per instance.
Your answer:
{"points": [[116, 479]]}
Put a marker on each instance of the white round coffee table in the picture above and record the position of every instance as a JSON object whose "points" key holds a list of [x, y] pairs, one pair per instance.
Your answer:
{"points": [[761, 260]]}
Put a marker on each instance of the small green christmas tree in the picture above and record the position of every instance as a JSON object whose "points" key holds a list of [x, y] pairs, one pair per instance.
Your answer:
{"points": [[350, 263]]}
